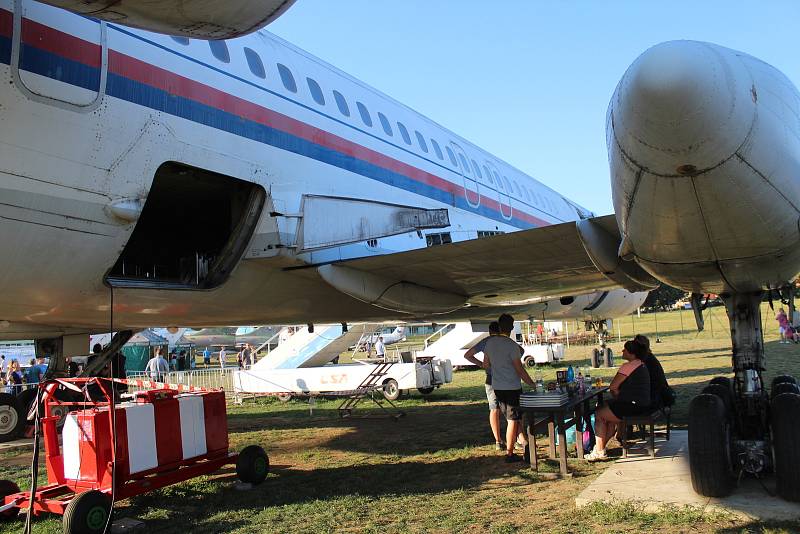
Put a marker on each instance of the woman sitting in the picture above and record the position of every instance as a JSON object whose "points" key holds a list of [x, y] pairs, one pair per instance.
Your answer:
{"points": [[630, 390], [659, 387]]}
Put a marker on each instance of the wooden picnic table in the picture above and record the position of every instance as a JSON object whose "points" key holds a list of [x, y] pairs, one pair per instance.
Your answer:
{"points": [[559, 418]]}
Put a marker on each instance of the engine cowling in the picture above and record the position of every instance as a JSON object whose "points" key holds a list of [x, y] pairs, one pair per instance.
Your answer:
{"points": [[201, 19]]}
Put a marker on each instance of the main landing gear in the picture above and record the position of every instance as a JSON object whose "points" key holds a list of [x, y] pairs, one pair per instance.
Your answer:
{"points": [[735, 426], [602, 355]]}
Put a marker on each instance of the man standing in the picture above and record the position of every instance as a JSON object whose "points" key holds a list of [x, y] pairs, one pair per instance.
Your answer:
{"points": [[206, 357], [380, 348], [157, 367], [502, 354], [222, 355], [3, 366], [246, 355]]}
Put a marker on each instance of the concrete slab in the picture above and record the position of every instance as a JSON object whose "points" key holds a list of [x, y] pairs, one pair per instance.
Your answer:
{"points": [[665, 480]]}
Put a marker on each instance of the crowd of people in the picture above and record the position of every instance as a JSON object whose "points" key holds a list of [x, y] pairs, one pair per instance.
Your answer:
{"points": [[14, 378], [639, 387]]}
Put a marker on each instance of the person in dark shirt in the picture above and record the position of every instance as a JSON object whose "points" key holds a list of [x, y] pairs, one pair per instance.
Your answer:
{"points": [[658, 381], [630, 390]]}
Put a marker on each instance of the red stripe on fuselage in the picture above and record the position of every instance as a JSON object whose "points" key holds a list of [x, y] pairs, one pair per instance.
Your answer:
{"points": [[60, 43]]}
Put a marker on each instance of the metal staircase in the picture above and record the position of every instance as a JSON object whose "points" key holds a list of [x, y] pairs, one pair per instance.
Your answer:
{"points": [[371, 387]]}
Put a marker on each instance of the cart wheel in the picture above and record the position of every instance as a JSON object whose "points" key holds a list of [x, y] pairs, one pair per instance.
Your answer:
{"points": [[284, 397], [391, 390], [12, 420], [87, 513], [530, 361], [253, 465], [8, 488], [426, 391]]}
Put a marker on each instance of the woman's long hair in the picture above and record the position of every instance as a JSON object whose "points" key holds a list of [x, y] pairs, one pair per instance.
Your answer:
{"points": [[635, 348]]}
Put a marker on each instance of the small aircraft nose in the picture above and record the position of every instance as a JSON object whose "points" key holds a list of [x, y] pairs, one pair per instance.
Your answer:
{"points": [[683, 107]]}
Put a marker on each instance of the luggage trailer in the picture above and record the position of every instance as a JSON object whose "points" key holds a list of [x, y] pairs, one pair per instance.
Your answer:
{"points": [[163, 437]]}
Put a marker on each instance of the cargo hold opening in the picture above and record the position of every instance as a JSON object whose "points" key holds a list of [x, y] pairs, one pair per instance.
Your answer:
{"points": [[193, 229]]}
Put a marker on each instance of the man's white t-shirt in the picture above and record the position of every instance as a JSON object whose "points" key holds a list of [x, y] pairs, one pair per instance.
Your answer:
{"points": [[380, 349], [502, 351], [222, 358], [3, 365]]}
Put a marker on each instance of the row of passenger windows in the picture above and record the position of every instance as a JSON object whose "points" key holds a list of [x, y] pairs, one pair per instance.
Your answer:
{"points": [[219, 50]]}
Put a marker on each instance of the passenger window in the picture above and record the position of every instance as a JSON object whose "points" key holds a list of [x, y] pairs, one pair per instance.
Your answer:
{"points": [[437, 149], [364, 112], [488, 175], [316, 91], [525, 192], [421, 141], [385, 124], [464, 165], [180, 40], [519, 191], [508, 185], [476, 169], [499, 182], [220, 51], [255, 64], [404, 133], [341, 103], [287, 78], [451, 156]]}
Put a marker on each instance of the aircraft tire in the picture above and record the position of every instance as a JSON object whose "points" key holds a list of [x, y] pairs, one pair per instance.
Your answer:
{"points": [[87, 513], [785, 415], [8, 488], [252, 466], [391, 389], [595, 358], [782, 379], [12, 418], [784, 387], [28, 396], [709, 446], [724, 393], [721, 380], [426, 391], [608, 357]]}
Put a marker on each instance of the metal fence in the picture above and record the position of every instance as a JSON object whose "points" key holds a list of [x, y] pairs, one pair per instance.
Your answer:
{"points": [[201, 378]]}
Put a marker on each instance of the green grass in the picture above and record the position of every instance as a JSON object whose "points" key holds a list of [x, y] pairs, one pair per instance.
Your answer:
{"points": [[435, 470]]}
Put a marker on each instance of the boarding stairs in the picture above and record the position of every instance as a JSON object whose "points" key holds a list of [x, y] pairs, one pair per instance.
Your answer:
{"points": [[452, 344], [372, 387]]}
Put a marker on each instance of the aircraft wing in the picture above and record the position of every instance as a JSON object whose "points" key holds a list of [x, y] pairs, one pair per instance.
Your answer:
{"points": [[502, 270]]}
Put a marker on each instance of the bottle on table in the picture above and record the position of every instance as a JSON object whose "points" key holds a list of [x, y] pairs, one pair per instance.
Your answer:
{"points": [[570, 374], [580, 380], [539, 381]]}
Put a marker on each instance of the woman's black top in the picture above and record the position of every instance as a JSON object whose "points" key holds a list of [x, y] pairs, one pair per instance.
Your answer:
{"points": [[636, 388], [658, 382]]}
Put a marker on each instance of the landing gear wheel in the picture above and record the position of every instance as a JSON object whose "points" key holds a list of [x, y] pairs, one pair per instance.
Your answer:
{"points": [[284, 397], [252, 465], [709, 446], [783, 379], [595, 358], [391, 390], [8, 488], [784, 387], [608, 357], [530, 362], [12, 420], [722, 381], [724, 393], [426, 391], [785, 414], [87, 513]]}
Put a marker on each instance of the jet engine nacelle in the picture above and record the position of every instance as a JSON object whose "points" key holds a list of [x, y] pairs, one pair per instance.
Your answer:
{"points": [[704, 149], [202, 19], [590, 307]]}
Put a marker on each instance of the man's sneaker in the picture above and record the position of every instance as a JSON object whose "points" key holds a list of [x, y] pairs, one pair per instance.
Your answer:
{"points": [[512, 458], [596, 455], [499, 446]]}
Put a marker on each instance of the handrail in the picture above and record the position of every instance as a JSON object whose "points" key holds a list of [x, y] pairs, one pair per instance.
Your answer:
{"points": [[267, 342], [427, 339]]}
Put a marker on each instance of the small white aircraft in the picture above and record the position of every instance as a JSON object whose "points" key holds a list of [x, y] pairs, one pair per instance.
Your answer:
{"points": [[172, 180]]}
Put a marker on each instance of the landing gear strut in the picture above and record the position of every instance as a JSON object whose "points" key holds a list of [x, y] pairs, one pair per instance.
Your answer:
{"points": [[602, 355], [734, 429]]}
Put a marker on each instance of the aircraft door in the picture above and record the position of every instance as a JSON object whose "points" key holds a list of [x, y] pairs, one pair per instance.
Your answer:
{"points": [[65, 67], [471, 187], [503, 197]]}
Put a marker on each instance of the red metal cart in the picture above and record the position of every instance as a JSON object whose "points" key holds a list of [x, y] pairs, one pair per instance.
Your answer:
{"points": [[162, 437]]}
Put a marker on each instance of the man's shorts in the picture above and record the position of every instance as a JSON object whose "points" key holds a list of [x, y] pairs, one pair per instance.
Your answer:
{"points": [[491, 397], [508, 402]]}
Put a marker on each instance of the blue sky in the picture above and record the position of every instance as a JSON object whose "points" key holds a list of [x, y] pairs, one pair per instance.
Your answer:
{"points": [[529, 81]]}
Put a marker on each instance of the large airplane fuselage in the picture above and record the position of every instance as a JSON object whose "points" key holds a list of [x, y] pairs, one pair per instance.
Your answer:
{"points": [[91, 112]]}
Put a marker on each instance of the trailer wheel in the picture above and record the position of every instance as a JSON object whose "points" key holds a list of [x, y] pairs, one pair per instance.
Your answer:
{"points": [[8, 488], [608, 357], [12, 420], [709, 446], [595, 358], [784, 387], [785, 414], [530, 361], [87, 513], [722, 381], [426, 391], [783, 379], [391, 390], [252, 465]]}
